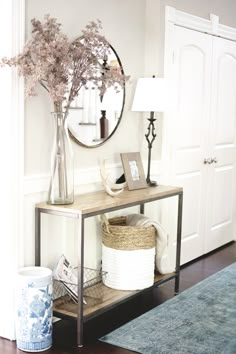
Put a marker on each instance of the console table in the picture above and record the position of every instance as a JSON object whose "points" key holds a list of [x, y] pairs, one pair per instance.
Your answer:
{"points": [[96, 203]]}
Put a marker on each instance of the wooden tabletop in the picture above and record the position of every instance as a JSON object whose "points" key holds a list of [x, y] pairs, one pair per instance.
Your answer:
{"points": [[96, 202]]}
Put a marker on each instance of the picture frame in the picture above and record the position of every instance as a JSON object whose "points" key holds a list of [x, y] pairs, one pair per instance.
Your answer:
{"points": [[133, 170]]}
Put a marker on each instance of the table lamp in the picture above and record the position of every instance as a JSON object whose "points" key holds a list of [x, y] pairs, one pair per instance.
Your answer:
{"points": [[150, 96]]}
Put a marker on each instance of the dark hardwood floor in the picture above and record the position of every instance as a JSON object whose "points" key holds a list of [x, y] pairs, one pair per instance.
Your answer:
{"points": [[64, 335]]}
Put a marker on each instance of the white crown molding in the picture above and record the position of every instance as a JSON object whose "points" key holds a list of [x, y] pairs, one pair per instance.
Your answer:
{"points": [[187, 20], [227, 32], [211, 26]]}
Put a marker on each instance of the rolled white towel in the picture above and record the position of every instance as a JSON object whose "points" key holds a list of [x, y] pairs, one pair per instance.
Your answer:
{"points": [[161, 240]]}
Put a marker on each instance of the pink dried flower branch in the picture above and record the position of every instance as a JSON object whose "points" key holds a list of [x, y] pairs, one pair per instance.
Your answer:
{"points": [[63, 67]]}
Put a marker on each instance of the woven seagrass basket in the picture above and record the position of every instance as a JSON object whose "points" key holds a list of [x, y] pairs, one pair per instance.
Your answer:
{"points": [[128, 254], [118, 235]]}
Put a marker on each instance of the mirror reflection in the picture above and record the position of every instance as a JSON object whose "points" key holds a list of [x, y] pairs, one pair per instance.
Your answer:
{"points": [[94, 118]]}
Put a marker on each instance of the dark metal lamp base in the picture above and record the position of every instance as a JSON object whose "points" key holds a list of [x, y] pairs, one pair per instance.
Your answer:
{"points": [[152, 183]]}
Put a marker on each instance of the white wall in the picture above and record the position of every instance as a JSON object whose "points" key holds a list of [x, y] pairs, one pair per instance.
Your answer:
{"points": [[126, 34], [135, 29]]}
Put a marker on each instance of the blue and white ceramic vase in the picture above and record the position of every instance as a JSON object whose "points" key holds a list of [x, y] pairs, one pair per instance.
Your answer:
{"points": [[34, 309]]}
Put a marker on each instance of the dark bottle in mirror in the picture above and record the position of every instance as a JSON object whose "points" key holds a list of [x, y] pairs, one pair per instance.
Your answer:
{"points": [[104, 129]]}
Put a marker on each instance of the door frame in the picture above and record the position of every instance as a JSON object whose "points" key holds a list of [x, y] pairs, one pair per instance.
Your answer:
{"points": [[12, 28]]}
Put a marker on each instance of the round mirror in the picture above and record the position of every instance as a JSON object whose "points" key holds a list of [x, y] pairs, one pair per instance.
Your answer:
{"points": [[93, 118]]}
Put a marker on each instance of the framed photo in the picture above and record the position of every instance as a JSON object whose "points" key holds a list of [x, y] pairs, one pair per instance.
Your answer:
{"points": [[133, 170]]}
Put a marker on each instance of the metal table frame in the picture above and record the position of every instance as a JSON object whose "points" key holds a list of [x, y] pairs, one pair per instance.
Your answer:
{"points": [[81, 216]]}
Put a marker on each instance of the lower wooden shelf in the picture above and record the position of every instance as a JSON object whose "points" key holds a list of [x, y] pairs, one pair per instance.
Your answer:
{"points": [[65, 307]]}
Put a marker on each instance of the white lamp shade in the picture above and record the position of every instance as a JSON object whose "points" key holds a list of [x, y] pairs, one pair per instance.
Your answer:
{"points": [[151, 95]]}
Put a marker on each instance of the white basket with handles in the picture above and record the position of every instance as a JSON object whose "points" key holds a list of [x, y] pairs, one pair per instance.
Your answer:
{"points": [[128, 254]]}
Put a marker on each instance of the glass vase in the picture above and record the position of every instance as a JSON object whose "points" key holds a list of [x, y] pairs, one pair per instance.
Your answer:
{"points": [[61, 190]]}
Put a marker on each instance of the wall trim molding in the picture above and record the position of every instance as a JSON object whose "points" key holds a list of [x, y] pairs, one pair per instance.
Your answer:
{"points": [[83, 177]]}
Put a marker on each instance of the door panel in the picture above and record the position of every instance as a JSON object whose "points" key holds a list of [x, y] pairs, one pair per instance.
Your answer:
{"points": [[224, 94], [221, 191], [221, 211], [219, 219], [192, 193], [190, 96], [203, 127], [191, 67]]}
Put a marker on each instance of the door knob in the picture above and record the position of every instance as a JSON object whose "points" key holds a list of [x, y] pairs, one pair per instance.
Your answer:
{"points": [[207, 161], [210, 160], [214, 160]]}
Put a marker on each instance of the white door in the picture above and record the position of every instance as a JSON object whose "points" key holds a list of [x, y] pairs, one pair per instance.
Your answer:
{"points": [[222, 146], [190, 66], [202, 128]]}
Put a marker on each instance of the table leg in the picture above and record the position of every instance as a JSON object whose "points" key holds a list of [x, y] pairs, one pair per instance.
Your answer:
{"points": [[178, 246], [80, 280], [141, 208], [37, 237]]}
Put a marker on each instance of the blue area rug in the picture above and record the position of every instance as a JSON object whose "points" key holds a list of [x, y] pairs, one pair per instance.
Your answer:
{"points": [[202, 319]]}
